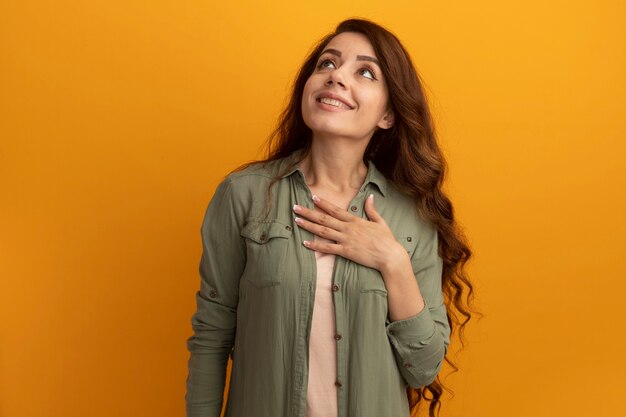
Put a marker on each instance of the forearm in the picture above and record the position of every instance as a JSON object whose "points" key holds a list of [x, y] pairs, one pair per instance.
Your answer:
{"points": [[209, 347], [205, 383], [419, 345], [403, 293]]}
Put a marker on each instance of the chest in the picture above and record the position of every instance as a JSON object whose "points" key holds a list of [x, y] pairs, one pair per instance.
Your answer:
{"points": [[278, 265]]}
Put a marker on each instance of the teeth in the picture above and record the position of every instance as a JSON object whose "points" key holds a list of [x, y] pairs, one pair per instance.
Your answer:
{"points": [[333, 102]]}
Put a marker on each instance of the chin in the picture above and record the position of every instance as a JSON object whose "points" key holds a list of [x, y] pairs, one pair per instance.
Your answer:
{"points": [[320, 129], [327, 127]]}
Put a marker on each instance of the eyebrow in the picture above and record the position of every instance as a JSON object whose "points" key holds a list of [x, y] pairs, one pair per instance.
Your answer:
{"points": [[358, 57]]}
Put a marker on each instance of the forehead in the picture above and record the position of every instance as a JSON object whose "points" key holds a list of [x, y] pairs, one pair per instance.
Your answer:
{"points": [[352, 43]]}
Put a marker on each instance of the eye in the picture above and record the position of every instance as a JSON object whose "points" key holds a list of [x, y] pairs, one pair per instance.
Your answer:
{"points": [[326, 63], [367, 72]]}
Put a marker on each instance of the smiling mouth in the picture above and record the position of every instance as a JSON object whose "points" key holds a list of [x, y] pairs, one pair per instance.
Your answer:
{"points": [[333, 102]]}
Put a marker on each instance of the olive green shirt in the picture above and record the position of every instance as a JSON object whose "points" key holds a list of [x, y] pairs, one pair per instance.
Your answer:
{"points": [[256, 300]]}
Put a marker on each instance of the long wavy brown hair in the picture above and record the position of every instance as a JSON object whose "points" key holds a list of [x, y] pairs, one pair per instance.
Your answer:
{"points": [[409, 156]]}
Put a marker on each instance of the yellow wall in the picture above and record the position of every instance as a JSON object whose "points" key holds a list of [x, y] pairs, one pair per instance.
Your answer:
{"points": [[118, 119]]}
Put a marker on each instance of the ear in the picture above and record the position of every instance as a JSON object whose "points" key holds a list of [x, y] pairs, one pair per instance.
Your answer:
{"points": [[387, 121]]}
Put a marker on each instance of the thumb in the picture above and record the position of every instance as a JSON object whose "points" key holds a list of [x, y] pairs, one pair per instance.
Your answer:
{"points": [[370, 210]]}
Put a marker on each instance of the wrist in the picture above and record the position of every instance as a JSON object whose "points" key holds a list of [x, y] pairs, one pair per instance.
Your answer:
{"points": [[396, 262]]}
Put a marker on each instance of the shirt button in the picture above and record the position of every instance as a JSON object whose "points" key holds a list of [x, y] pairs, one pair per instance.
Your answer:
{"points": [[354, 208], [392, 332], [408, 239], [408, 365], [213, 294], [335, 287], [337, 337], [338, 384], [263, 236]]}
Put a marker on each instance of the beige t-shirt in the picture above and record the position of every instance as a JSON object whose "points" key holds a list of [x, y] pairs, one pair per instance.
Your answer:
{"points": [[321, 391]]}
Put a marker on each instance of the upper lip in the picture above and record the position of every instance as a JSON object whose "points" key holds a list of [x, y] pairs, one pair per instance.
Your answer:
{"points": [[334, 97]]}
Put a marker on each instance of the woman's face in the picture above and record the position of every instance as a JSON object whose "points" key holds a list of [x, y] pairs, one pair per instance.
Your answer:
{"points": [[346, 95]]}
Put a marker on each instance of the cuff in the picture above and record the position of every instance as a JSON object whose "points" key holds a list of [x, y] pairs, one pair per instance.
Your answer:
{"points": [[416, 329]]}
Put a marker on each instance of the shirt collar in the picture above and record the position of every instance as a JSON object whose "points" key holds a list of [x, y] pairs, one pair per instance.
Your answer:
{"points": [[373, 176]]}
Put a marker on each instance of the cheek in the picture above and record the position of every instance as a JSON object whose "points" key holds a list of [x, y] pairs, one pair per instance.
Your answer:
{"points": [[306, 93], [375, 101], [311, 83], [306, 103]]}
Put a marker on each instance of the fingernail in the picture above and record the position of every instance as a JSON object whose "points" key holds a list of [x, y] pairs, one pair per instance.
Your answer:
{"points": [[306, 243], [296, 207], [315, 198], [371, 196], [298, 220]]}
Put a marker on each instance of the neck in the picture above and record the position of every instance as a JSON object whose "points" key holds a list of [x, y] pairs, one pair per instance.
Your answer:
{"points": [[335, 166]]}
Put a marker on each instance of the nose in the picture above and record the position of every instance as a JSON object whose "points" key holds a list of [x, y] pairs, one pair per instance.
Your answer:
{"points": [[336, 77]]}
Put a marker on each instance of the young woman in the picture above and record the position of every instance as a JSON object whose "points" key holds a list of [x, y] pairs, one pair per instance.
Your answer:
{"points": [[325, 266]]}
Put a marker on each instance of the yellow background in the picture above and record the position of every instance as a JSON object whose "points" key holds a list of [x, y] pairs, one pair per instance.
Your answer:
{"points": [[118, 119]]}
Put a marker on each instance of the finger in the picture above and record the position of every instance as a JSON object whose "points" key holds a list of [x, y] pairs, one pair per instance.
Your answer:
{"points": [[319, 217], [335, 211], [324, 247], [318, 230], [370, 210]]}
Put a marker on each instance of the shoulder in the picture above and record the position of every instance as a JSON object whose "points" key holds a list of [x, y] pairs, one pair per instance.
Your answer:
{"points": [[248, 188], [256, 171], [255, 177]]}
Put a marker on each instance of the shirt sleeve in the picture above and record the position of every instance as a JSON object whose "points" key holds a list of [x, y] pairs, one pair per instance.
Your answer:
{"points": [[214, 322], [421, 342]]}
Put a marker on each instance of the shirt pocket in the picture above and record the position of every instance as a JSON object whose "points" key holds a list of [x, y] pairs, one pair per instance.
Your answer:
{"points": [[371, 280], [408, 241], [267, 243]]}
